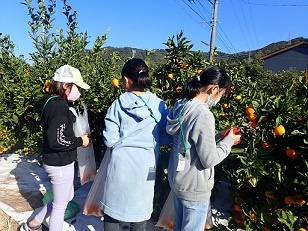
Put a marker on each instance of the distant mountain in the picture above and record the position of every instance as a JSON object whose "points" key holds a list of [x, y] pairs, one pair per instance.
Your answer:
{"points": [[158, 55]]}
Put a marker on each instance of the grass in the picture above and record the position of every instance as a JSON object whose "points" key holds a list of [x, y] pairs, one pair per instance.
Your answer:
{"points": [[7, 223]]}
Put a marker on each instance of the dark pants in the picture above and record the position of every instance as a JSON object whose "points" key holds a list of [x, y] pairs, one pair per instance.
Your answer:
{"points": [[111, 224]]}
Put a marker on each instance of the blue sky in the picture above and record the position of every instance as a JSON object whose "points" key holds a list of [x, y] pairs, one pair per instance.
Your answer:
{"points": [[243, 25]]}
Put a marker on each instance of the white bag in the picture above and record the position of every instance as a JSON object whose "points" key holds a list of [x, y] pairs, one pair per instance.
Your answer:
{"points": [[166, 217], [92, 204], [85, 155]]}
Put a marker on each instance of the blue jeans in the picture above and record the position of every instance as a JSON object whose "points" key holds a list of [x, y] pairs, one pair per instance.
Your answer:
{"points": [[189, 215]]}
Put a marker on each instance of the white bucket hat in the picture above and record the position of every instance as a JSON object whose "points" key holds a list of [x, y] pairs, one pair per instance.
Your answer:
{"points": [[68, 74]]}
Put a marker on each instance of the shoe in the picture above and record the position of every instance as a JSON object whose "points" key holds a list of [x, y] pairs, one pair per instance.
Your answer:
{"points": [[26, 227]]}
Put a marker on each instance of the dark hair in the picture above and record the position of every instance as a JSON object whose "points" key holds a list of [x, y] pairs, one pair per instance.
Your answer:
{"points": [[56, 88], [137, 70], [210, 75]]}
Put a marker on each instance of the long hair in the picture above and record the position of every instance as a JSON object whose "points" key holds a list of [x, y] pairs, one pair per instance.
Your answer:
{"points": [[211, 75]]}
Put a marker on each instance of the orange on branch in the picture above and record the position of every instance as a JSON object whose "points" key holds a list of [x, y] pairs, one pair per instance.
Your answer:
{"points": [[291, 153], [253, 118], [238, 98], [269, 195], [250, 110], [115, 82], [170, 76], [266, 145], [279, 130], [289, 200]]}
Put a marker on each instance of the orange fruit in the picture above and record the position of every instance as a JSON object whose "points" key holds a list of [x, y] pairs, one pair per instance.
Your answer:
{"points": [[170, 224], [254, 125], [289, 200], [291, 153], [225, 106], [115, 82], [47, 89], [5, 149], [238, 98], [199, 72], [269, 195], [253, 118], [47, 83], [250, 110], [207, 226], [266, 145], [178, 90], [253, 217], [302, 229], [170, 76], [279, 130], [237, 207], [266, 229], [299, 200], [186, 66], [232, 88]]}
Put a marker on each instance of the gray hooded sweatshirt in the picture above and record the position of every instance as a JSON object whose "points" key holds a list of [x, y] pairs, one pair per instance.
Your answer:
{"points": [[196, 134]]}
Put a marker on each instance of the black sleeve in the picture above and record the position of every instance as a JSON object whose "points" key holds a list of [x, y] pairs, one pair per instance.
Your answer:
{"points": [[60, 133]]}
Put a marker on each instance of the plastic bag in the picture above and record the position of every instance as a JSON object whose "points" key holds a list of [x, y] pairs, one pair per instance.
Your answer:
{"points": [[209, 221], [85, 155], [72, 207], [92, 204], [166, 217]]}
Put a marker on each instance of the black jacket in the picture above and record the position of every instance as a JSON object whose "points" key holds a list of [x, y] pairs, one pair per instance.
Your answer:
{"points": [[59, 141]]}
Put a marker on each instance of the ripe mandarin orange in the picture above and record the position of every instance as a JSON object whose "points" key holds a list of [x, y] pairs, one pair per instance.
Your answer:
{"points": [[289, 200], [266, 144], [269, 195], [299, 200], [170, 224], [238, 98], [250, 110], [253, 118], [291, 153], [115, 82], [237, 207], [199, 72], [170, 76], [279, 130], [254, 125]]}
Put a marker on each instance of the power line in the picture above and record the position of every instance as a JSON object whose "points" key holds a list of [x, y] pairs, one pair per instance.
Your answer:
{"points": [[266, 4]]}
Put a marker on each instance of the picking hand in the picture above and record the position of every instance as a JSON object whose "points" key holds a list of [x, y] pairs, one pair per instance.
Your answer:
{"points": [[85, 140]]}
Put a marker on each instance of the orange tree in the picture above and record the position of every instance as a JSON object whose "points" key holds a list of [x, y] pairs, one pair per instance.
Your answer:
{"points": [[24, 83], [268, 170]]}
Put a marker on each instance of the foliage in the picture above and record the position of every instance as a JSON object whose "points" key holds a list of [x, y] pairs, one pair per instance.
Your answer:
{"points": [[269, 185]]}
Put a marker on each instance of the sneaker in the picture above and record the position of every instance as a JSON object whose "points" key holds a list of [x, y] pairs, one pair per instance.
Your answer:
{"points": [[26, 227]]}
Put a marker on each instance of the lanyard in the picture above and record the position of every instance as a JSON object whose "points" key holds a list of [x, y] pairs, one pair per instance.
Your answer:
{"points": [[46, 104], [150, 110], [182, 131]]}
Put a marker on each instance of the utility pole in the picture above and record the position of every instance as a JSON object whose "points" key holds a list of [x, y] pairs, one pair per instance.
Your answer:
{"points": [[213, 33]]}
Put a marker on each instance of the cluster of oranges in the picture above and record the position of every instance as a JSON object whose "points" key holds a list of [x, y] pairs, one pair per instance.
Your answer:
{"points": [[252, 116], [296, 199]]}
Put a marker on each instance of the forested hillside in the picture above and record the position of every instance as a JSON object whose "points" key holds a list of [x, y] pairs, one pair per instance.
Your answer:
{"points": [[157, 56]]}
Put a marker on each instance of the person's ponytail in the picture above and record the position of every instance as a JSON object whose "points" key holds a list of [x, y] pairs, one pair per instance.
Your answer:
{"points": [[191, 88], [144, 80]]}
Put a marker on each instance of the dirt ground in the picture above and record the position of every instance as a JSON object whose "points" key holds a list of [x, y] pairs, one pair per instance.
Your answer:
{"points": [[7, 223], [21, 202]]}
